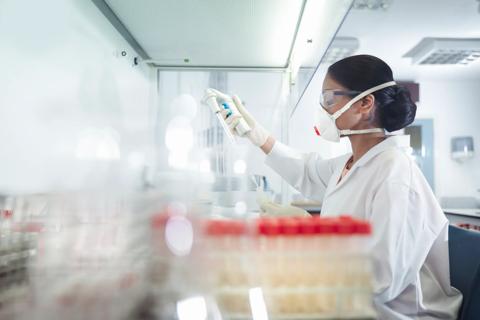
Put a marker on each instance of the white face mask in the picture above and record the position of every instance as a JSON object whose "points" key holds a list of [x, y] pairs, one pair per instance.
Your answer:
{"points": [[326, 126]]}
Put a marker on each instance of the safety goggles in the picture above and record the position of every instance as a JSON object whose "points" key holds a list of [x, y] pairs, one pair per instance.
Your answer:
{"points": [[329, 97]]}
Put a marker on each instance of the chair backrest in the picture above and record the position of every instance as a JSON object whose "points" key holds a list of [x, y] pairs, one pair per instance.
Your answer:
{"points": [[464, 247]]}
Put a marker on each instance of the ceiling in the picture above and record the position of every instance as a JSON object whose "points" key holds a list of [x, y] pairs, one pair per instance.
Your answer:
{"points": [[392, 33]]}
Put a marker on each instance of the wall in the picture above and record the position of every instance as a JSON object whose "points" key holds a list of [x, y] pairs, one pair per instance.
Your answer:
{"points": [[454, 107], [74, 111]]}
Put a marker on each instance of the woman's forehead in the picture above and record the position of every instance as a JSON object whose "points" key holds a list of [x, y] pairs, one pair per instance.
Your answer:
{"points": [[329, 84]]}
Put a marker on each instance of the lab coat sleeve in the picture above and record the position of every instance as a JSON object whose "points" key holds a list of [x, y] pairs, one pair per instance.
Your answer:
{"points": [[307, 173], [400, 242]]}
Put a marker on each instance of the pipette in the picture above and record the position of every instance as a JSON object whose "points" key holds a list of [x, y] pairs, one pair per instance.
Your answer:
{"points": [[211, 99]]}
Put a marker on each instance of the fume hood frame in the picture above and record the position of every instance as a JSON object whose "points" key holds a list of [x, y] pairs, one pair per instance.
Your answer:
{"points": [[111, 8], [227, 35]]}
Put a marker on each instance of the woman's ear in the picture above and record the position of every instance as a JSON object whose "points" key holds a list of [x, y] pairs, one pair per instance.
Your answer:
{"points": [[367, 104]]}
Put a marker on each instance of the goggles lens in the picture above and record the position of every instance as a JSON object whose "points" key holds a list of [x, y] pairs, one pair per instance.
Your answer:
{"points": [[328, 98]]}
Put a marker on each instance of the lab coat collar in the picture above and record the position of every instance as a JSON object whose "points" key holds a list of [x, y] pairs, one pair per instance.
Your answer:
{"points": [[396, 141], [400, 141]]}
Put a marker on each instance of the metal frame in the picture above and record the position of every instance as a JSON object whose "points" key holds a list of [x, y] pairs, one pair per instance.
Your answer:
{"points": [[117, 24], [240, 69], [294, 109], [297, 28]]}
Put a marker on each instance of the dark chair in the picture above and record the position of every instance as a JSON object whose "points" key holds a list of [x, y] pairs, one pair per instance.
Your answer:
{"points": [[464, 247]]}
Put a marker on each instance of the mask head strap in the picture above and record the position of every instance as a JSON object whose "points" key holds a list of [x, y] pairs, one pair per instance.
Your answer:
{"points": [[365, 93], [349, 132]]}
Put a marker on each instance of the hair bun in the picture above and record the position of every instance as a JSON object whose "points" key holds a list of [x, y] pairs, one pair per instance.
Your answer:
{"points": [[400, 111]]}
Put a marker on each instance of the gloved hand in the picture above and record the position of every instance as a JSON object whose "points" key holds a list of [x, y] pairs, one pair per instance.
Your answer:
{"points": [[258, 135], [269, 207], [272, 208]]}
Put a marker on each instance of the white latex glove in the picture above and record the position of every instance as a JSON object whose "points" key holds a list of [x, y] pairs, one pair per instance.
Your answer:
{"points": [[272, 208], [269, 207], [258, 135]]}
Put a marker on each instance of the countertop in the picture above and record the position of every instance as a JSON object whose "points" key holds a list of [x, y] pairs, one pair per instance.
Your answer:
{"points": [[473, 212]]}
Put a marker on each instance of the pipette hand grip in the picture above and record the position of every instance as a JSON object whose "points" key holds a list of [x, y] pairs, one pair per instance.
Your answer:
{"points": [[242, 127], [211, 99]]}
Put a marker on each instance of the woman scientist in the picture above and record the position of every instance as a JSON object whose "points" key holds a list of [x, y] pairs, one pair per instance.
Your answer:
{"points": [[378, 182]]}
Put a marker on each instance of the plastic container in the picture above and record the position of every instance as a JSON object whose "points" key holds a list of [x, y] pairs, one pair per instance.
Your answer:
{"points": [[307, 268]]}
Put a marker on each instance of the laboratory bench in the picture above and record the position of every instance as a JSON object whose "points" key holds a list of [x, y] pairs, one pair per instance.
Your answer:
{"points": [[458, 216]]}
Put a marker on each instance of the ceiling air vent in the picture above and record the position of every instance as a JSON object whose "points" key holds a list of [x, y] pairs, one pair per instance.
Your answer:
{"points": [[374, 5], [341, 47], [440, 51]]}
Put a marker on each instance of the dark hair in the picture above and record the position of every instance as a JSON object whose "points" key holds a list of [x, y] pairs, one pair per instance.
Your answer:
{"points": [[395, 108]]}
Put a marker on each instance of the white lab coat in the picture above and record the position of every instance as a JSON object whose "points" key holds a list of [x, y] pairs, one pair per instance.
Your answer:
{"points": [[410, 238]]}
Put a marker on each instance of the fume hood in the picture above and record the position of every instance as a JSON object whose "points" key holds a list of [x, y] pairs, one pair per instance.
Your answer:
{"points": [[273, 45], [268, 35]]}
